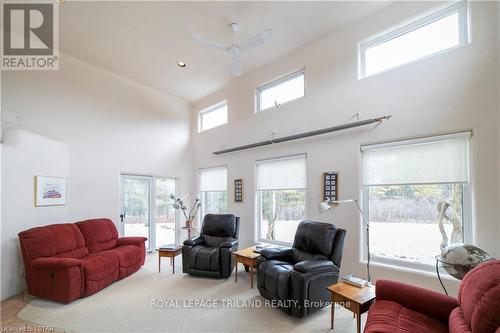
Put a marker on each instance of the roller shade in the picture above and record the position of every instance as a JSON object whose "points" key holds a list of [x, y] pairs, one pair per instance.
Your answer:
{"points": [[214, 179], [442, 159], [283, 173]]}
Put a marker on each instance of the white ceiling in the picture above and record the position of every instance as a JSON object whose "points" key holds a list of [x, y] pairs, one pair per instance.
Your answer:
{"points": [[144, 40]]}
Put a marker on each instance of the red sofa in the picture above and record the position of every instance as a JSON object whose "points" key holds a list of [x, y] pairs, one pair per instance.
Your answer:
{"points": [[64, 262], [404, 308]]}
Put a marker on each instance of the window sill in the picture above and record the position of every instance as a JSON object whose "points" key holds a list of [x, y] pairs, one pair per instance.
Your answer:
{"points": [[427, 273]]}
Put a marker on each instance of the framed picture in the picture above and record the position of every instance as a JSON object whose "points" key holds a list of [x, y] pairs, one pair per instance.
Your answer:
{"points": [[330, 186], [50, 191], [238, 190]]}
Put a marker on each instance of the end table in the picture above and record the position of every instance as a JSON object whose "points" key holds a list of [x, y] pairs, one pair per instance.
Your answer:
{"points": [[355, 299], [169, 251]]}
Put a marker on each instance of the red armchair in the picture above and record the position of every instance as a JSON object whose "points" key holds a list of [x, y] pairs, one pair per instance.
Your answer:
{"points": [[64, 262], [404, 308]]}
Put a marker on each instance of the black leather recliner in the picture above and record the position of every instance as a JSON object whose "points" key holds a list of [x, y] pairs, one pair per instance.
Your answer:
{"points": [[210, 253], [297, 277]]}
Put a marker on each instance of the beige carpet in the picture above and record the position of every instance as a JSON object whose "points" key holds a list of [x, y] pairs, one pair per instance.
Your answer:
{"points": [[126, 306]]}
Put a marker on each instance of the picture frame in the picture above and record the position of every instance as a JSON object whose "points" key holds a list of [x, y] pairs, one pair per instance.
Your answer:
{"points": [[238, 190], [330, 186], [50, 191]]}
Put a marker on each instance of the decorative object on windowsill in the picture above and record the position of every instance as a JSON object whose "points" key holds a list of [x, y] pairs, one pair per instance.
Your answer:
{"points": [[238, 190], [50, 191], [458, 259], [330, 186], [327, 205], [189, 215]]}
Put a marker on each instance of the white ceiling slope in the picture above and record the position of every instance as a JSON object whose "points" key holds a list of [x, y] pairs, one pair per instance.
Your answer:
{"points": [[143, 40]]}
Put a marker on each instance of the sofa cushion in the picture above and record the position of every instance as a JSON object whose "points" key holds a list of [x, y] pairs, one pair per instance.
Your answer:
{"points": [[388, 316], [315, 237], [274, 277], [100, 270], [479, 297], [100, 234], [128, 255], [52, 240], [219, 225], [204, 258]]}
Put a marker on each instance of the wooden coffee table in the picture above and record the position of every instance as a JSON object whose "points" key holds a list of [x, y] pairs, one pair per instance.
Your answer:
{"points": [[169, 252], [249, 259], [355, 299]]}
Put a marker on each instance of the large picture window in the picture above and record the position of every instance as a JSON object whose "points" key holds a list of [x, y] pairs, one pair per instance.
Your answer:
{"points": [[281, 197], [213, 191], [416, 197]]}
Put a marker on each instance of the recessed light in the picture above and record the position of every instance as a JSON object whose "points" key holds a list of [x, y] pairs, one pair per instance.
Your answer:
{"points": [[181, 64]]}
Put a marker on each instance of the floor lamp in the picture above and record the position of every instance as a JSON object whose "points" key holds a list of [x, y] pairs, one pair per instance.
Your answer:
{"points": [[327, 205]]}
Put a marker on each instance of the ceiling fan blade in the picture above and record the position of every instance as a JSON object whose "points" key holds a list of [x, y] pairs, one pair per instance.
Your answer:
{"points": [[235, 62], [256, 40], [205, 42]]}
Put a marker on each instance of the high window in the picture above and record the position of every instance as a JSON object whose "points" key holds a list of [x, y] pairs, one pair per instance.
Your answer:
{"points": [[281, 197], [212, 117], [440, 31], [213, 191], [416, 197], [283, 90]]}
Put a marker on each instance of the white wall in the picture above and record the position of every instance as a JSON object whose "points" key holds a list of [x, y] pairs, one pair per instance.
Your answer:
{"points": [[25, 155], [110, 125], [452, 91]]}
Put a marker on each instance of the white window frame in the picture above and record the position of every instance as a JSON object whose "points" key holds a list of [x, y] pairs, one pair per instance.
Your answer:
{"points": [[152, 206], [466, 205], [257, 199], [210, 110], [200, 196], [284, 79], [460, 8]]}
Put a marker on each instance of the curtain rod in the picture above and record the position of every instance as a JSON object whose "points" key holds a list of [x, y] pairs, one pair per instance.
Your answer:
{"points": [[303, 135]]}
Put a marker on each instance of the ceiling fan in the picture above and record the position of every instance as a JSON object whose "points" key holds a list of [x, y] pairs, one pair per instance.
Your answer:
{"points": [[235, 48]]}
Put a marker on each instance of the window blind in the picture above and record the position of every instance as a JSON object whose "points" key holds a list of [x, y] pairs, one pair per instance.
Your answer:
{"points": [[283, 173], [213, 179], [443, 159]]}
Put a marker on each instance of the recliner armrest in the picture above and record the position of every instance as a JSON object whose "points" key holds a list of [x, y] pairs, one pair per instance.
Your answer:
{"points": [[277, 253], [121, 241], [229, 243], [55, 263], [310, 265], [193, 241]]}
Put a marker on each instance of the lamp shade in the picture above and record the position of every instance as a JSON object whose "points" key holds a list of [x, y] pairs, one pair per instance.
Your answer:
{"points": [[324, 206]]}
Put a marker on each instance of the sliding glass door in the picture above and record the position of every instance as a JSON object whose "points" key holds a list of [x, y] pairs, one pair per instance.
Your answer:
{"points": [[147, 210]]}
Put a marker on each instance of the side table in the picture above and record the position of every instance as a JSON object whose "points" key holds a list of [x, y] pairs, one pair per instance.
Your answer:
{"points": [[355, 299], [169, 251], [249, 259]]}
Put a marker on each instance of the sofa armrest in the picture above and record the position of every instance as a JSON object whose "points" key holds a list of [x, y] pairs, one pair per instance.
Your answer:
{"points": [[55, 263], [229, 243], [431, 303], [138, 241], [193, 241], [277, 253], [311, 265]]}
